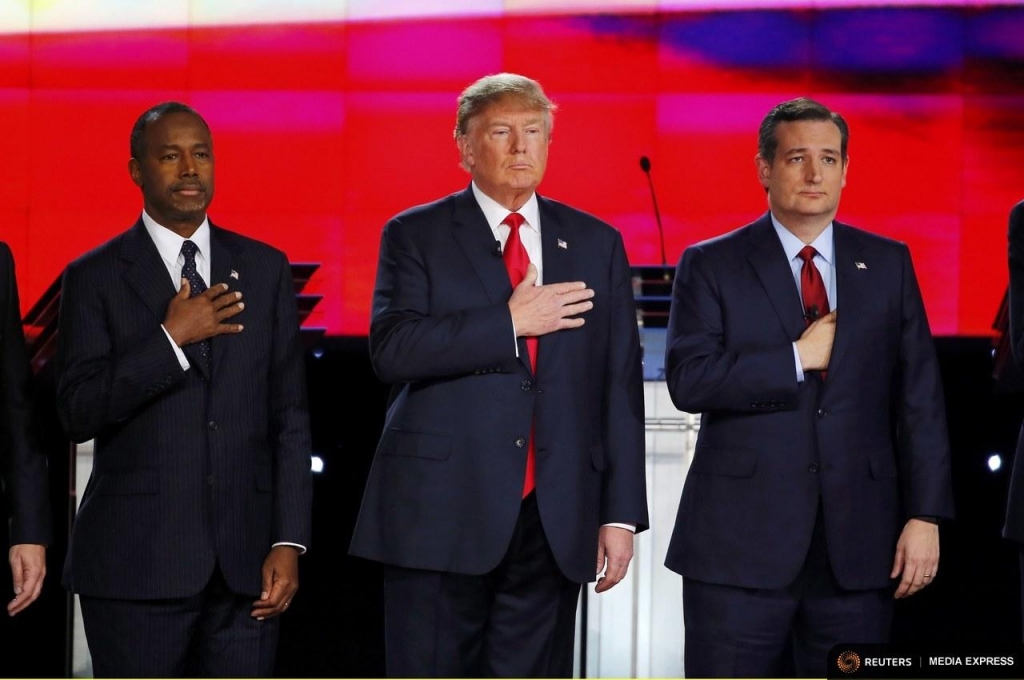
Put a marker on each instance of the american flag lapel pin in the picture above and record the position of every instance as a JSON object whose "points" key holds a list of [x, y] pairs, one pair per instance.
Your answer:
{"points": [[860, 265], [233, 274], [563, 245]]}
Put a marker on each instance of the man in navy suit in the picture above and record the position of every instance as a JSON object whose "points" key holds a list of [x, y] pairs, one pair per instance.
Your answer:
{"points": [[822, 465], [511, 466], [179, 354], [23, 469]]}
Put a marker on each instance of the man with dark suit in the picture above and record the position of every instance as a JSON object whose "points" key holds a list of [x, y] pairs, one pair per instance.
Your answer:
{"points": [[1013, 529], [822, 464], [512, 456], [23, 469], [185, 547]]}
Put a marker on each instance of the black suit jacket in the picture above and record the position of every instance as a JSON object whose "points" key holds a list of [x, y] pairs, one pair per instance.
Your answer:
{"points": [[23, 468], [870, 441], [1014, 526], [190, 467], [445, 488]]}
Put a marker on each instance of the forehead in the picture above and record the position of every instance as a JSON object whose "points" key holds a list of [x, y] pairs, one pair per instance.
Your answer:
{"points": [[177, 128], [808, 134], [510, 110]]}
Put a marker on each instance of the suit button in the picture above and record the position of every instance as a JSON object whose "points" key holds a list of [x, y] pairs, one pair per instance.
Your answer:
{"points": [[813, 468], [526, 385], [521, 442], [822, 413], [212, 424]]}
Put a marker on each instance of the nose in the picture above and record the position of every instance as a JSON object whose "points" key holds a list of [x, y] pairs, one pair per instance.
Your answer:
{"points": [[517, 140], [813, 169], [187, 167]]}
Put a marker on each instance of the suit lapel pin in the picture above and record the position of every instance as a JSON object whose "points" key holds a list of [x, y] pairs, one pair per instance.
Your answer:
{"points": [[563, 245], [233, 274], [860, 265]]}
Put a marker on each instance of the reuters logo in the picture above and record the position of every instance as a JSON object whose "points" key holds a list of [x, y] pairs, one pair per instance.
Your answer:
{"points": [[848, 662]]}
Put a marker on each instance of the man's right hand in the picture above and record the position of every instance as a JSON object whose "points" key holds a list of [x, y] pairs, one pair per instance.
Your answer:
{"points": [[193, 319], [815, 345], [538, 310]]}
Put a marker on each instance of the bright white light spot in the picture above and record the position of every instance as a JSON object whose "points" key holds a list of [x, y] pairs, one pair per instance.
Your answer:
{"points": [[995, 461], [316, 464]]}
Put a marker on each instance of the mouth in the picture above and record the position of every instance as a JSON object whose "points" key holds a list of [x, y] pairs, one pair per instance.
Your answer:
{"points": [[190, 190]]}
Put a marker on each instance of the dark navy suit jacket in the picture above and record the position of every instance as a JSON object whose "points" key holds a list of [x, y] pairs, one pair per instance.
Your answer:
{"points": [[191, 468], [23, 468], [1014, 527], [445, 488], [870, 440]]}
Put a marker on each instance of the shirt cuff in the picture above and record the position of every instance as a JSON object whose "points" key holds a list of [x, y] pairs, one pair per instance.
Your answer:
{"points": [[300, 548], [619, 525], [799, 368], [182, 359]]}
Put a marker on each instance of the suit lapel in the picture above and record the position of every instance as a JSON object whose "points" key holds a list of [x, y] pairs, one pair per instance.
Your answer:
{"points": [[557, 237], [851, 290], [474, 236], [146, 273], [768, 259], [223, 261]]}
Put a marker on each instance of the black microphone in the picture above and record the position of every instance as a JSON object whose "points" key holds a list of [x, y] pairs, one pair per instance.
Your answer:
{"points": [[812, 313], [497, 248], [645, 165]]}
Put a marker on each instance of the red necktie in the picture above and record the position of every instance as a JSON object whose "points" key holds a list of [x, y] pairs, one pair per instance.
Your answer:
{"points": [[516, 262], [812, 289]]}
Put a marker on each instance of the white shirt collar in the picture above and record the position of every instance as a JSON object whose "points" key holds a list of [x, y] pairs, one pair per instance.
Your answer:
{"points": [[495, 212], [168, 243], [792, 245]]}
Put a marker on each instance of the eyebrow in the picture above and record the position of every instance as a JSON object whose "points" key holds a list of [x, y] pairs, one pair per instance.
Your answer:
{"points": [[804, 149]]}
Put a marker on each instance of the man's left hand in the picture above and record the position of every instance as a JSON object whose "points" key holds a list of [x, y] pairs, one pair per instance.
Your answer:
{"points": [[614, 552], [917, 557], [280, 581], [28, 566]]}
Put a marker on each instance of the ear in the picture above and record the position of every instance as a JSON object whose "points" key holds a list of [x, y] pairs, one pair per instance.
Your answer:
{"points": [[764, 170], [135, 170], [846, 166], [465, 151]]}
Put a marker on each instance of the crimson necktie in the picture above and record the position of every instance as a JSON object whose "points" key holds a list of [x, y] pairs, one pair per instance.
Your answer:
{"points": [[196, 286], [516, 262], [812, 289]]}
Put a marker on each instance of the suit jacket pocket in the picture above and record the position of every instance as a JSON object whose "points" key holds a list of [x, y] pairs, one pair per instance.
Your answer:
{"points": [[127, 483], [417, 444], [710, 460]]}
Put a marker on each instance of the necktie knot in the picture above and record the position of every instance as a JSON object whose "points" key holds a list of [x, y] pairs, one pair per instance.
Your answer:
{"points": [[807, 254], [189, 250], [514, 220]]}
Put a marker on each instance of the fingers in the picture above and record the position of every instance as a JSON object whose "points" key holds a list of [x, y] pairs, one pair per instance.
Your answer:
{"points": [[613, 574], [185, 291], [28, 569], [280, 577]]}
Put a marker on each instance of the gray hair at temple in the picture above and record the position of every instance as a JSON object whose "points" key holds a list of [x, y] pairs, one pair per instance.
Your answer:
{"points": [[793, 110], [502, 87]]}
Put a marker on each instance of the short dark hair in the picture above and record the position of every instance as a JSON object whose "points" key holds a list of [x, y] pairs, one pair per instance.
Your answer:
{"points": [[152, 115], [801, 108]]}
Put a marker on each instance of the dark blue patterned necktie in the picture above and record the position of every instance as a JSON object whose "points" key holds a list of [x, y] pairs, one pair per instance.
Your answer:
{"points": [[197, 286]]}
